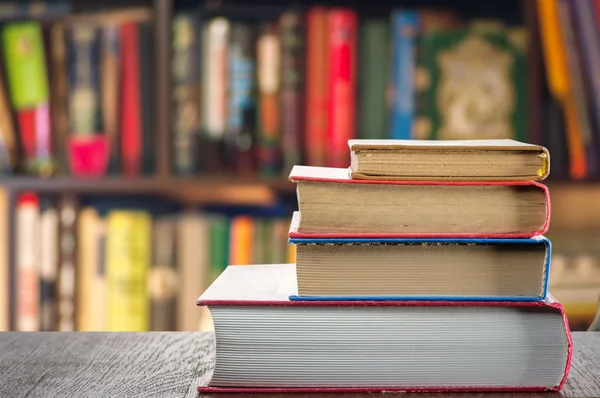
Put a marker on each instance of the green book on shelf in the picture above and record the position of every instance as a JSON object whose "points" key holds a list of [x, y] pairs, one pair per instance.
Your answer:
{"points": [[374, 49], [219, 246], [25, 64], [471, 84]]}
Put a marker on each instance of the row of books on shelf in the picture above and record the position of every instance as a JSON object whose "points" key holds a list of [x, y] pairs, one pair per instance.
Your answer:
{"points": [[76, 94], [569, 33], [120, 266], [405, 280], [255, 93], [271, 93]]}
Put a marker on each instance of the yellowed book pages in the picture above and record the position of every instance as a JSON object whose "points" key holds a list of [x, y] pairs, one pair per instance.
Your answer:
{"points": [[128, 252], [193, 252], [90, 280], [4, 271]]}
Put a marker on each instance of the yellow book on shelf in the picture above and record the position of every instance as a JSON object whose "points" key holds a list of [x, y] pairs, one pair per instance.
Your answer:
{"points": [[242, 240], [90, 278], [128, 248]]}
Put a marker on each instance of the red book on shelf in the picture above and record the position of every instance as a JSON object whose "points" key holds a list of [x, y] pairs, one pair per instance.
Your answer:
{"points": [[316, 86], [131, 119], [342, 32], [267, 343]]}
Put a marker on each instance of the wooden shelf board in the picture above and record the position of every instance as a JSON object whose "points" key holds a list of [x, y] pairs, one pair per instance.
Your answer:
{"points": [[214, 189]]}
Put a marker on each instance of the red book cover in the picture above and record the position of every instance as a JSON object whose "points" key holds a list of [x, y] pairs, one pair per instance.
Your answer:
{"points": [[131, 121], [316, 86], [339, 175], [271, 285], [342, 29], [27, 263]]}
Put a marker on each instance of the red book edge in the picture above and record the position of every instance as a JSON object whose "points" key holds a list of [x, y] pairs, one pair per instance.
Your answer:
{"points": [[131, 124], [342, 176], [549, 302], [341, 42]]}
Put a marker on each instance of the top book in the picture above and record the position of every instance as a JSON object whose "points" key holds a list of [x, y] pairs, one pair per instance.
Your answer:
{"points": [[452, 160]]}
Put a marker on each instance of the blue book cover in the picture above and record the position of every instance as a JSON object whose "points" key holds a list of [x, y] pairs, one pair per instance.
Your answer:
{"points": [[404, 31], [537, 240]]}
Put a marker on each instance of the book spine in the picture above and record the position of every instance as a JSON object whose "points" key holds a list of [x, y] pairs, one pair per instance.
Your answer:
{"points": [[240, 245], [269, 84], [214, 78], [8, 138], [87, 255], [586, 33], [27, 80], [215, 34], [239, 137], [128, 246], [131, 123], [553, 47], [258, 237], [185, 95], [291, 28], [279, 241], [27, 267], [163, 278], [67, 257], [315, 137], [147, 97], [373, 79], [110, 83], [578, 111], [404, 31], [84, 81], [192, 257], [48, 266], [342, 32], [59, 91], [219, 244]]}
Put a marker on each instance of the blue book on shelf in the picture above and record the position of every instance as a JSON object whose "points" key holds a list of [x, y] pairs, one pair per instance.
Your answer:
{"points": [[427, 269], [404, 31]]}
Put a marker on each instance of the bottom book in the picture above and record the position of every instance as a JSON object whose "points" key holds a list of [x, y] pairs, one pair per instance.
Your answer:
{"points": [[267, 343]]}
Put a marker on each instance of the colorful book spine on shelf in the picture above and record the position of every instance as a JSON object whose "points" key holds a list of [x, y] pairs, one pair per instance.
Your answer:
{"points": [[131, 113], [27, 80], [128, 257], [373, 79], [559, 83], [315, 136], [239, 136], [268, 59], [405, 25], [27, 263], [291, 27], [342, 37], [185, 95]]}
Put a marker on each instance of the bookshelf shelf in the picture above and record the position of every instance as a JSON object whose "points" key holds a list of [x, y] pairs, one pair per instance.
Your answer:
{"points": [[220, 189]]}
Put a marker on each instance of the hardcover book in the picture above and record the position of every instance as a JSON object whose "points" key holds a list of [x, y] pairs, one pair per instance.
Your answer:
{"points": [[332, 204], [474, 81], [453, 160], [374, 346], [421, 269]]}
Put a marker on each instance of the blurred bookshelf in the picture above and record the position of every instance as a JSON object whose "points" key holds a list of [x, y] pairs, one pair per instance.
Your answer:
{"points": [[135, 121]]}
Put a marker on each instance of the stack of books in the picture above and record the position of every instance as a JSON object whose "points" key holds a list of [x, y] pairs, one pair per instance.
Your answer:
{"points": [[422, 267]]}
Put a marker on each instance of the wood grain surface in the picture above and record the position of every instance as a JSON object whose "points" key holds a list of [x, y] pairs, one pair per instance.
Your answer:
{"points": [[174, 364]]}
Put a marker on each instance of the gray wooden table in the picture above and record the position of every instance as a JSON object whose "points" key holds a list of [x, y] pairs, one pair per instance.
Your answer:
{"points": [[156, 364]]}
